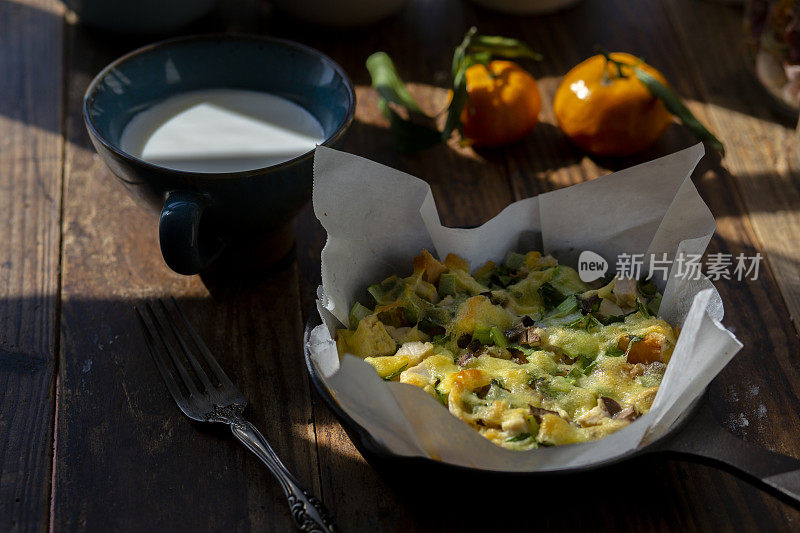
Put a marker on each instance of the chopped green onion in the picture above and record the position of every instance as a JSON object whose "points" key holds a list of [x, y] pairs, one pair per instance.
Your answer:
{"points": [[515, 261], [395, 373], [498, 337]]}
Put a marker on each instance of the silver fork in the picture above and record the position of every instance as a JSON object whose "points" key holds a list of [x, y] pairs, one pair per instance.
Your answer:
{"points": [[220, 401]]}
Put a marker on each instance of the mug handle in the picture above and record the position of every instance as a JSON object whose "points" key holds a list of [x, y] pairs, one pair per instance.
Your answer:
{"points": [[183, 248]]}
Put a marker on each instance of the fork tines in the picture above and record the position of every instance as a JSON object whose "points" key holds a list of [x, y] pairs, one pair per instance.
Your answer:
{"points": [[162, 322]]}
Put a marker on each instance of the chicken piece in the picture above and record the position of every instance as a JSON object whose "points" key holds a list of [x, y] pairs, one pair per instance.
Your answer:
{"points": [[608, 308], [405, 334], [594, 417], [626, 293], [605, 409], [415, 351], [628, 414], [419, 376], [514, 422]]}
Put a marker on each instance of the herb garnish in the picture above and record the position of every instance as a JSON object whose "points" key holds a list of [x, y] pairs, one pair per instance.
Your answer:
{"points": [[395, 373]]}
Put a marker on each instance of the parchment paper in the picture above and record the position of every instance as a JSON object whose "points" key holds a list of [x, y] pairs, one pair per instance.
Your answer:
{"points": [[378, 219]]}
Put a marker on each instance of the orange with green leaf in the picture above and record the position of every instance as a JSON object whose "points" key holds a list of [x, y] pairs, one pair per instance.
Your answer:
{"points": [[617, 105], [492, 102]]}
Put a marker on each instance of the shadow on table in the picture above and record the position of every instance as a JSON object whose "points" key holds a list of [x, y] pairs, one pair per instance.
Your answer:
{"points": [[125, 454]]}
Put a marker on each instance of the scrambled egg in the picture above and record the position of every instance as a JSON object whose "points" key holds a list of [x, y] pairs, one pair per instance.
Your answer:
{"points": [[524, 352]]}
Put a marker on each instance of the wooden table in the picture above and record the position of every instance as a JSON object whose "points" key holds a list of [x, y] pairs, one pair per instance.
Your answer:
{"points": [[89, 438]]}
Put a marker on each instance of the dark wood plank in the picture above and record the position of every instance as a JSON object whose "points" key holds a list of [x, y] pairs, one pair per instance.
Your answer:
{"points": [[126, 458], [30, 181], [767, 171]]}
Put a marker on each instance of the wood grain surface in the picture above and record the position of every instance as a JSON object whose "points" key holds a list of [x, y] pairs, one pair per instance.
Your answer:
{"points": [[124, 457], [30, 200]]}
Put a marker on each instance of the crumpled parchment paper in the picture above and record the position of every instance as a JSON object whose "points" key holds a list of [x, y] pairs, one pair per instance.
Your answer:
{"points": [[378, 219]]}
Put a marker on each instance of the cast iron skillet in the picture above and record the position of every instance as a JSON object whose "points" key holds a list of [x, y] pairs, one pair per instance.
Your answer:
{"points": [[697, 438]]}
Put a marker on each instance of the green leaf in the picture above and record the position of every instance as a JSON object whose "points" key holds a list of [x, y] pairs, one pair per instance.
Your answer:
{"points": [[646, 288], [441, 340], [675, 106], [387, 291], [515, 261], [573, 375], [458, 72], [395, 373], [499, 384], [387, 82], [448, 283], [550, 295], [586, 322], [611, 319], [480, 58], [568, 311], [614, 351], [409, 136], [641, 309], [632, 339], [517, 438], [460, 53], [482, 334], [524, 349], [460, 97], [503, 47], [441, 396], [497, 336], [654, 304]]}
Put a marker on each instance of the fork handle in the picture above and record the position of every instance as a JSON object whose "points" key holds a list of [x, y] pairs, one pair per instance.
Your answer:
{"points": [[307, 511]]}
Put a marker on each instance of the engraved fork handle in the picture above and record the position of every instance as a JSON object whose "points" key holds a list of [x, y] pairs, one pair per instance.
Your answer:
{"points": [[308, 512]]}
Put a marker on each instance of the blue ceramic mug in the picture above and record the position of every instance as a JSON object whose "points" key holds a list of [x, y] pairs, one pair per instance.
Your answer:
{"points": [[241, 216]]}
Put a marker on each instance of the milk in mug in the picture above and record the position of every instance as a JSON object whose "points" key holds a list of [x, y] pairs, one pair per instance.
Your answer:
{"points": [[221, 130]]}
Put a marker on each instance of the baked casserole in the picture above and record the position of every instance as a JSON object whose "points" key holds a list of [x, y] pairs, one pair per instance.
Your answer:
{"points": [[524, 351]]}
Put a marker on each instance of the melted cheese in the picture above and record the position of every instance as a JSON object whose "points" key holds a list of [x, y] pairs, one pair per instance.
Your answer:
{"points": [[566, 388]]}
